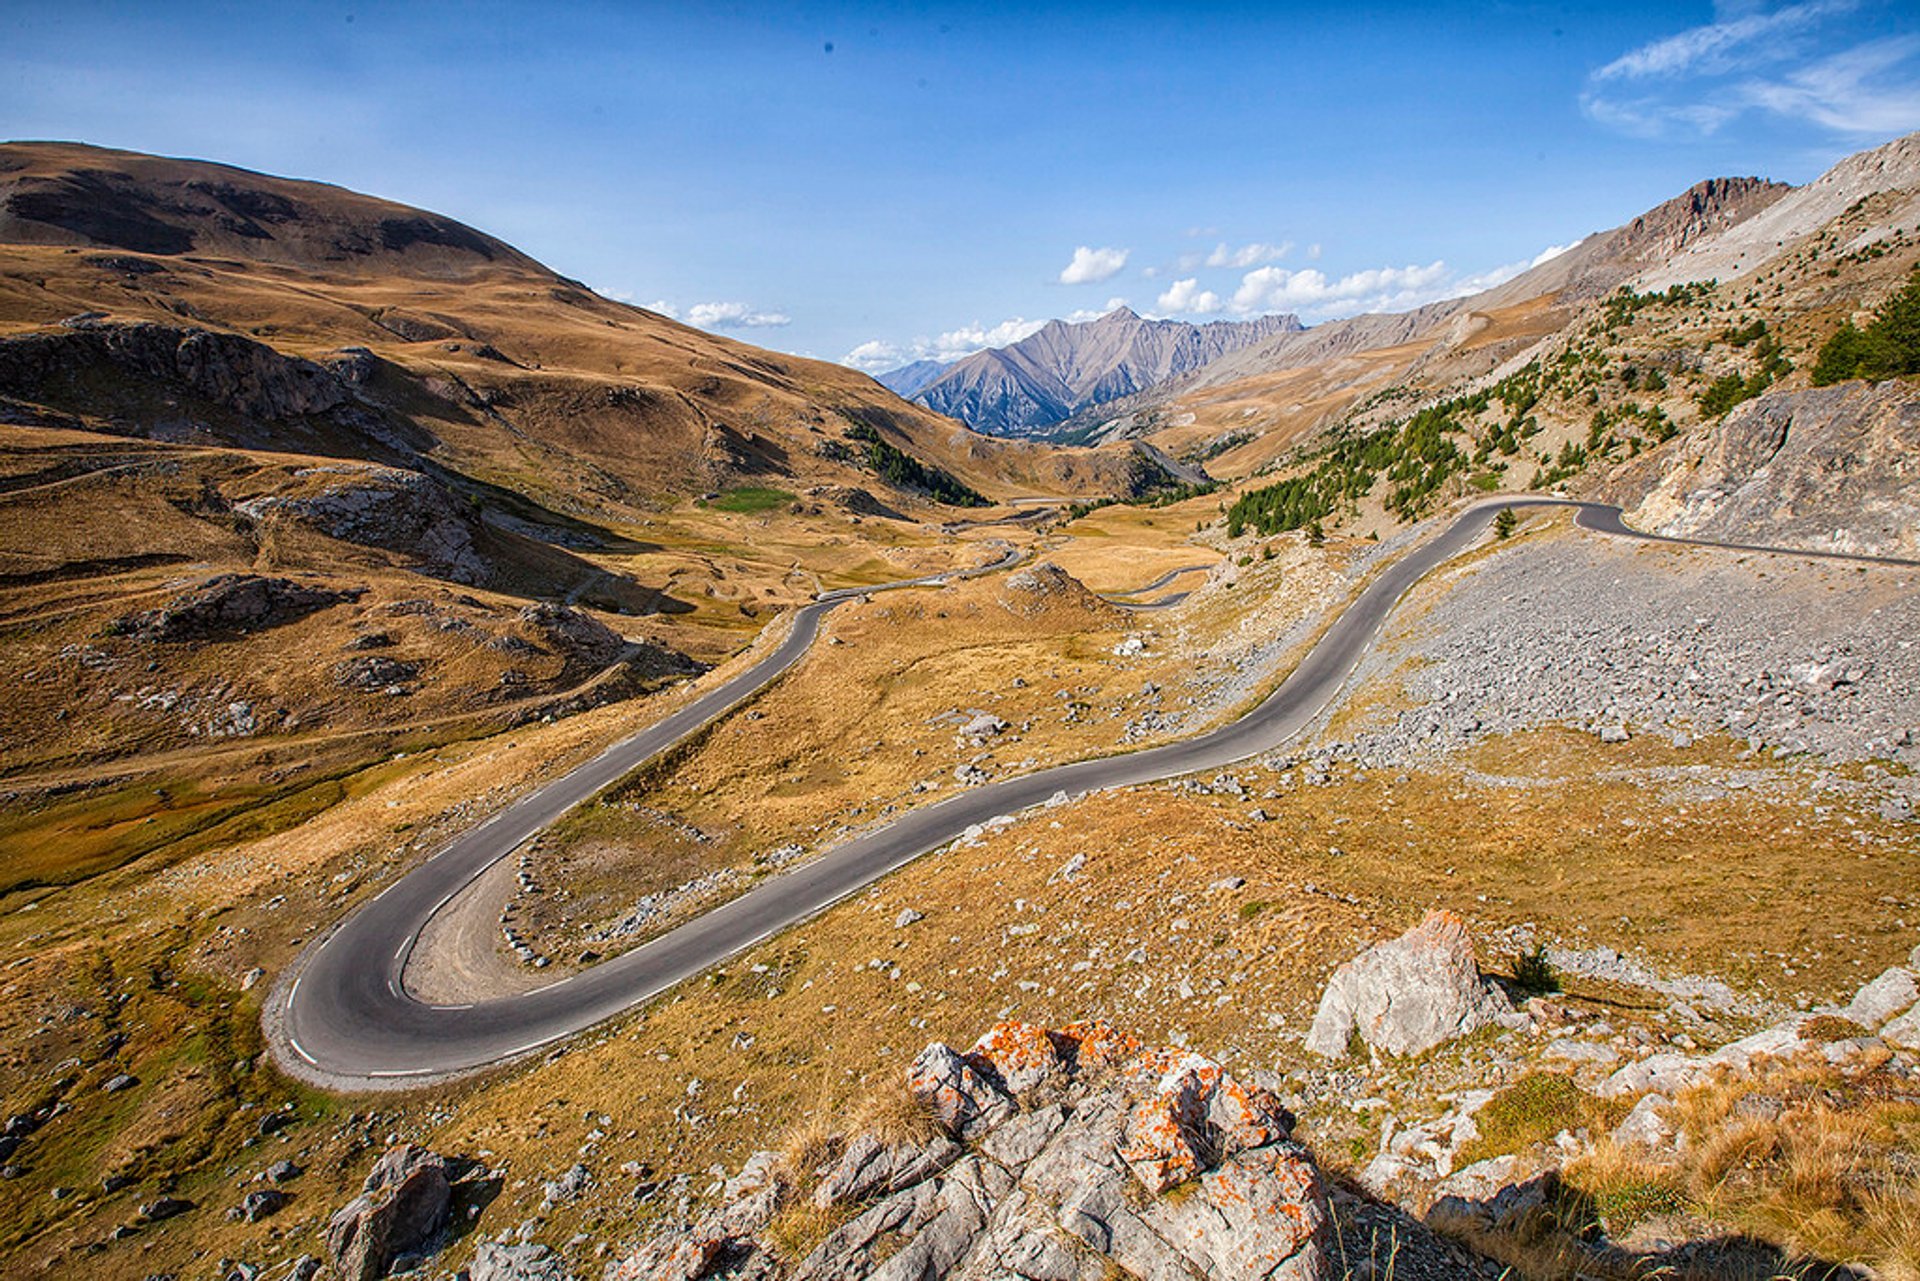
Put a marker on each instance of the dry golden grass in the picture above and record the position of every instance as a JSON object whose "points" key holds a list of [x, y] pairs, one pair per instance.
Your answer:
{"points": [[1813, 1159]]}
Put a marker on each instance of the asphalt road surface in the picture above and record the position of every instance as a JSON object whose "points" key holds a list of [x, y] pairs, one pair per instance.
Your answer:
{"points": [[346, 1020], [1131, 600]]}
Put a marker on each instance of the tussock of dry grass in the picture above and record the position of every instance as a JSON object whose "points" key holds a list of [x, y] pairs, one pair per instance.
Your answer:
{"points": [[1814, 1161]]}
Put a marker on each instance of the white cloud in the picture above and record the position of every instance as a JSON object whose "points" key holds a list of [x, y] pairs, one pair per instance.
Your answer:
{"points": [[734, 315], [875, 357], [878, 355], [1554, 251], [1090, 266], [1839, 91], [1791, 62], [721, 315], [1084, 314], [1716, 46], [1248, 255], [1185, 297], [1375, 289], [1313, 252]]}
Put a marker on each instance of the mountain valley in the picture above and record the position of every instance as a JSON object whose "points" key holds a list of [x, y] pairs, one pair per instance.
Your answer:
{"points": [[1569, 929]]}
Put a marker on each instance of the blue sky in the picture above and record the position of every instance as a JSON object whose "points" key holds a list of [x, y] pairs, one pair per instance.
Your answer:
{"points": [[876, 183]]}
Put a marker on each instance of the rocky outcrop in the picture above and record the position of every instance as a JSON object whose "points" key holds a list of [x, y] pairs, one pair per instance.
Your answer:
{"points": [[1068, 1154], [495, 1261], [1410, 994], [240, 374], [1827, 469], [1045, 587], [388, 508], [575, 636], [402, 1209], [852, 498], [228, 605]]}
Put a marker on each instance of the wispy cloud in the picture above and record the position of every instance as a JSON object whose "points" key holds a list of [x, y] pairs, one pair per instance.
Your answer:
{"points": [[1252, 255], [721, 315], [1734, 43], [878, 355], [1317, 296], [1090, 266], [1848, 91], [1794, 62]]}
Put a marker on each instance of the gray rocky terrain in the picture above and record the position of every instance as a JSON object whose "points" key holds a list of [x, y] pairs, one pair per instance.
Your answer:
{"points": [[1827, 468], [1797, 656]]}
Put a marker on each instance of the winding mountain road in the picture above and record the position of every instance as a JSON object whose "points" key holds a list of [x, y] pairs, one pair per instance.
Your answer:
{"points": [[343, 1017], [1131, 600]]}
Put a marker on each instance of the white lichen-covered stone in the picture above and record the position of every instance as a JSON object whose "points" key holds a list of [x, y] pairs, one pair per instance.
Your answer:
{"points": [[1410, 994]]}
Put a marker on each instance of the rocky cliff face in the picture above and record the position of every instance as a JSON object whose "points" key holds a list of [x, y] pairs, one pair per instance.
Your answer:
{"points": [[402, 512], [165, 381], [1070, 1154], [1064, 368], [1829, 469]]}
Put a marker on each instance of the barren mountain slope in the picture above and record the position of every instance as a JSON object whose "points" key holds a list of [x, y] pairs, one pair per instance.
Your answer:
{"points": [[284, 469], [515, 374], [1064, 367], [1694, 405], [1248, 406]]}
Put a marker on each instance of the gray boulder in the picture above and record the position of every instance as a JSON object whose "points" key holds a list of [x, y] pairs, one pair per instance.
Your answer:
{"points": [[402, 1210], [960, 1096], [1408, 995], [229, 605], [1883, 998], [496, 1262], [1649, 1125], [1904, 1032]]}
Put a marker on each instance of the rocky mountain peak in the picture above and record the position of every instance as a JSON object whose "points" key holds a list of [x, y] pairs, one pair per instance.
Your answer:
{"points": [[1065, 367], [1701, 210]]}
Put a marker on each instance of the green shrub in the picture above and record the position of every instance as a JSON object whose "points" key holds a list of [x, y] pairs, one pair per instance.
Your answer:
{"points": [[1533, 973]]}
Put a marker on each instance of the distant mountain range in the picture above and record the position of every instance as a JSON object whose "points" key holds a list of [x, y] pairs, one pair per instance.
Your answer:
{"points": [[1046, 378], [909, 379]]}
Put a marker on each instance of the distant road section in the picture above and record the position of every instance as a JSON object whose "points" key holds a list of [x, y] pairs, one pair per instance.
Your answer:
{"points": [[1128, 600], [346, 1020]]}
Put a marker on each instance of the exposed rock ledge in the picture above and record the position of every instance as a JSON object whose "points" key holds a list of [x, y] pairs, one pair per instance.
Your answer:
{"points": [[1071, 1154]]}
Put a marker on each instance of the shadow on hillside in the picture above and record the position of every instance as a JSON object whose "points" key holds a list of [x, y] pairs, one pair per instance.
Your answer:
{"points": [[1542, 1228]]}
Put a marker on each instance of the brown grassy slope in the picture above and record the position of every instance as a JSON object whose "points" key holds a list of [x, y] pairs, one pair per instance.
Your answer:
{"points": [[518, 375]]}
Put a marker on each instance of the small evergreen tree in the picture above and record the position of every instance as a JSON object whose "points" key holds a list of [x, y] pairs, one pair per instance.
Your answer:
{"points": [[1503, 523], [1889, 347]]}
